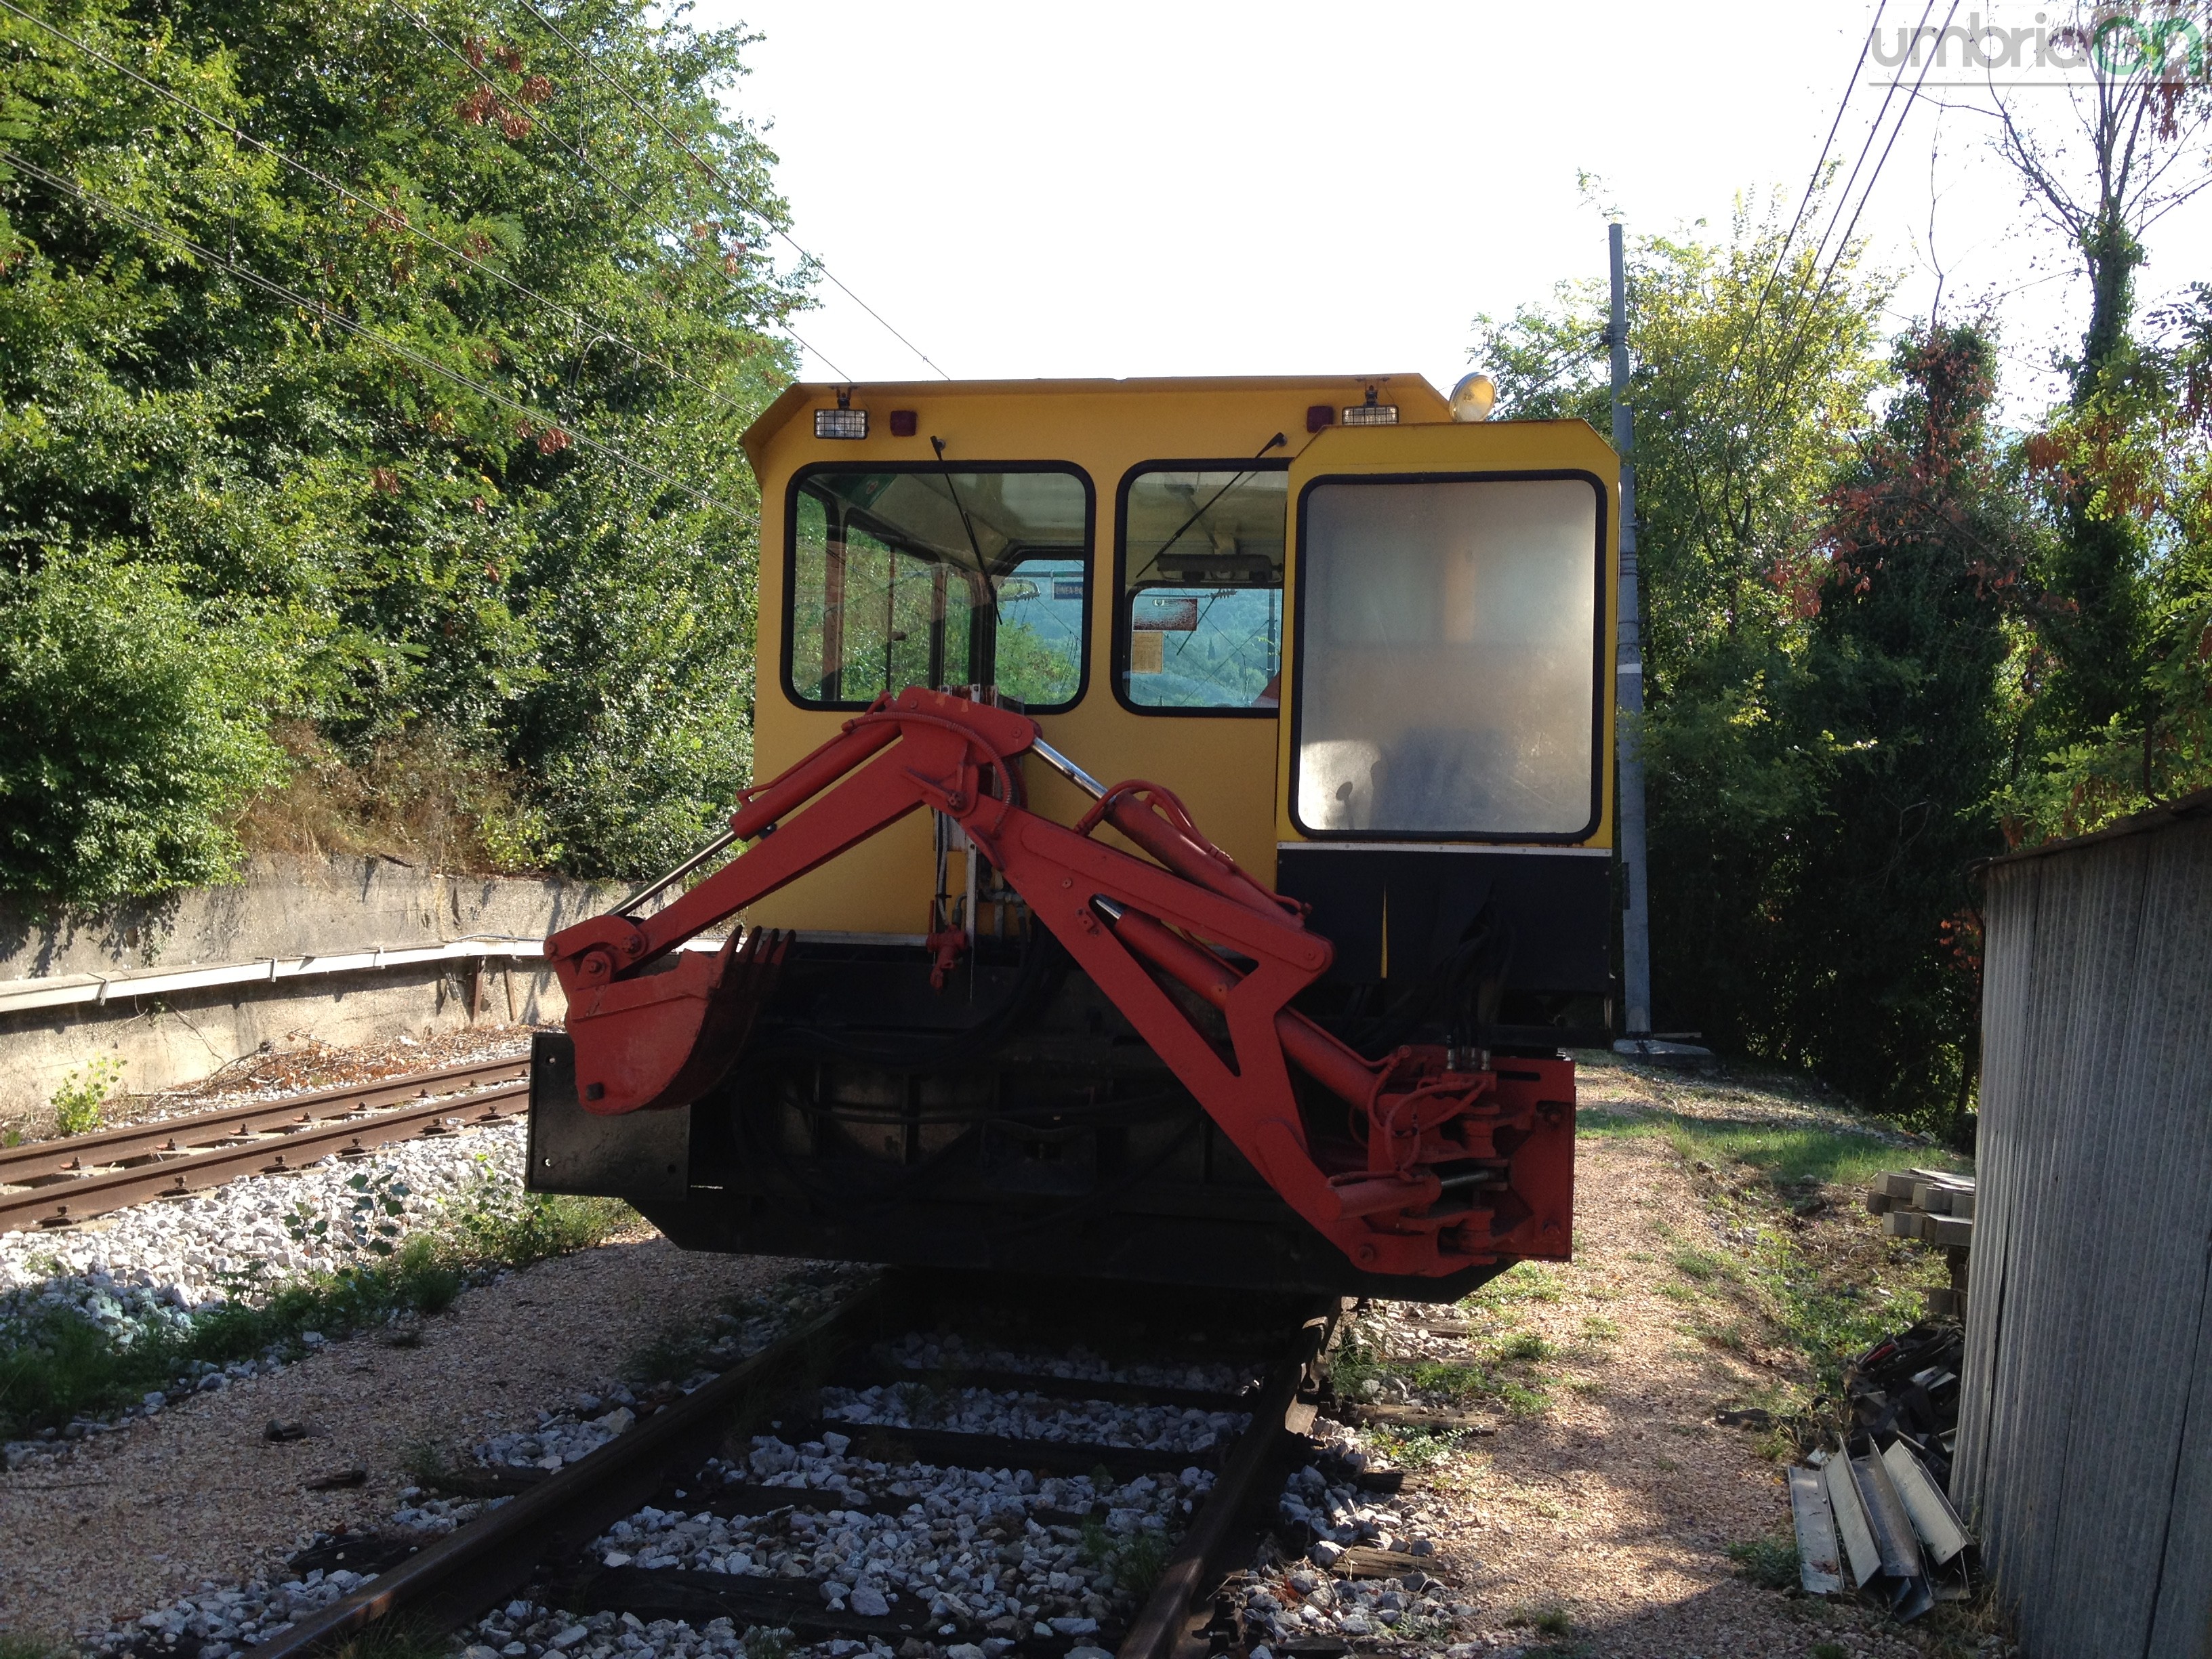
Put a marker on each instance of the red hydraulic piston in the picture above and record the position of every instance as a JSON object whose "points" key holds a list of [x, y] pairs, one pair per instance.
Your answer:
{"points": [[832, 760], [1164, 831], [1313, 1050]]}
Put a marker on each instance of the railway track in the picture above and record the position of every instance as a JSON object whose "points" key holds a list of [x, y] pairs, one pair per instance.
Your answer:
{"points": [[824, 1470], [59, 1183]]}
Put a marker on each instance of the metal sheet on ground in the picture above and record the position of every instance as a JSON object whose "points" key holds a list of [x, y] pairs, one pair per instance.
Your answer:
{"points": [[1851, 1521], [1819, 1569], [1930, 1512]]}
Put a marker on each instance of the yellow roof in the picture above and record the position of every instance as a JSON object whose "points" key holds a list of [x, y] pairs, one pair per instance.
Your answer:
{"points": [[1411, 388]]}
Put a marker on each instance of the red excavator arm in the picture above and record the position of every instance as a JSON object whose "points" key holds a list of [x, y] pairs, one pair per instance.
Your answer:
{"points": [[1446, 1169]]}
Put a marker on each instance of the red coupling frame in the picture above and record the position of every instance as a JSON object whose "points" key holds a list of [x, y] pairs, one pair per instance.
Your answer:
{"points": [[1445, 1169]]}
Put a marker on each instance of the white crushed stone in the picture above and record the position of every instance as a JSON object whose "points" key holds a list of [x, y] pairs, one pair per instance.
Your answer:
{"points": [[1024, 1416], [154, 1266], [929, 1351]]}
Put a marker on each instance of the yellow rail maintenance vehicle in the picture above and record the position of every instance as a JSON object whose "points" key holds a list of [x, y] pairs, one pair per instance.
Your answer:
{"points": [[1180, 849]]}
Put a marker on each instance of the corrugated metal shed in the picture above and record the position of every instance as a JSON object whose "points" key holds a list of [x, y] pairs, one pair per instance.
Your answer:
{"points": [[2085, 1434]]}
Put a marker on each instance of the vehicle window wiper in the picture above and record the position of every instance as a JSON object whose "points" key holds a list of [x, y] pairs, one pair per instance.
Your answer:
{"points": [[1161, 552], [966, 524]]}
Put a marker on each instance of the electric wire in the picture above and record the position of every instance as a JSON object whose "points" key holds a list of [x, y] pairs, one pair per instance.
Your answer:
{"points": [[716, 174], [644, 209], [1789, 360], [597, 329], [329, 313], [1812, 184]]}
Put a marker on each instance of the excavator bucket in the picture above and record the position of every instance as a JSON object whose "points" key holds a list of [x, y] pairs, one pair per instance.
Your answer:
{"points": [[665, 1038]]}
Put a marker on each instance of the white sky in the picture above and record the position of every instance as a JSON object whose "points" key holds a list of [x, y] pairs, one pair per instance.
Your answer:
{"points": [[1199, 188]]}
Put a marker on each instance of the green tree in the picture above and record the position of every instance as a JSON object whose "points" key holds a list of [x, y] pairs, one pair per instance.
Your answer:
{"points": [[404, 336], [2123, 151], [1896, 709]]}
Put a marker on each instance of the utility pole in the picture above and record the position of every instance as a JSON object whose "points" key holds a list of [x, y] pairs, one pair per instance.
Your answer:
{"points": [[1636, 923]]}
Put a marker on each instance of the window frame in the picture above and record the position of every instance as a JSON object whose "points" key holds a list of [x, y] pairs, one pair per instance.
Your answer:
{"points": [[1600, 682], [1118, 650], [793, 490]]}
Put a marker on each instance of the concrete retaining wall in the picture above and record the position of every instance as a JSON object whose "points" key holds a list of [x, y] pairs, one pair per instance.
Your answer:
{"points": [[285, 907]]}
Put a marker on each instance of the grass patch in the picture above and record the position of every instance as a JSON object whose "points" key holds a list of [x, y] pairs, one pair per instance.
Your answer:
{"points": [[1783, 1154], [1700, 1265], [26, 1644], [58, 1365], [1770, 1561], [1598, 1328], [1527, 1345], [1827, 1288], [1525, 1281]]}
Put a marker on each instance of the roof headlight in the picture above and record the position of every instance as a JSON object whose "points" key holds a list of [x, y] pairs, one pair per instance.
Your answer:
{"points": [[1474, 397]]}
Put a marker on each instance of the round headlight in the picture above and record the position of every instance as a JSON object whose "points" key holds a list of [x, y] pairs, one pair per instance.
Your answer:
{"points": [[1473, 399]]}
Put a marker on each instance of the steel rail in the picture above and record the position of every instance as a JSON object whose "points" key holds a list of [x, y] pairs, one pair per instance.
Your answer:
{"points": [[1195, 1567], [450, 1581], [63, 1203], [73, 1154]]}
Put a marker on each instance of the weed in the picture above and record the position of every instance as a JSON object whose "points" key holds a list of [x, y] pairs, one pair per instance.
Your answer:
{"points": [[391, 1639], [82, 1098], [1136, 1562], [1548, 1621], [1679, 1292], [1831, 1650], [1599, 1328], [1769, 1561], [1526, 1345], [1665, 1464], [1353, 1365], [1417, 1449], [669, 1355], [763, 1642], [23, 1644]]}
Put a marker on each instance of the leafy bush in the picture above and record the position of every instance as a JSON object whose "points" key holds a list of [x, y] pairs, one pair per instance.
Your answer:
{"points": [[133, 728]]}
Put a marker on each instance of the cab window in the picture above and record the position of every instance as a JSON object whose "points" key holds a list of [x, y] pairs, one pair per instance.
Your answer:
{"points": [[1448, 658], [1199, 629], [936, 577]]}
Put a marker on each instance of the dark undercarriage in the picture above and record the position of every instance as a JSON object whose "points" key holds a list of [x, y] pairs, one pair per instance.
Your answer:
{"points": [[1011, 1123]]}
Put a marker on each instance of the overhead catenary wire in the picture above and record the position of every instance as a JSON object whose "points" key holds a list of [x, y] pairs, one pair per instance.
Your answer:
{"points": [[330, 313], [716, 174], [1789, 357], [597, 329], [1812, 184], [644, 209]]}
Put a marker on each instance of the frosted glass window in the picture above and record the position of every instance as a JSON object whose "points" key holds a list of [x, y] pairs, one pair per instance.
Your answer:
{"points": [[1447, 658]]}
